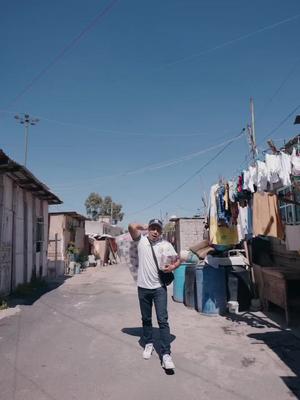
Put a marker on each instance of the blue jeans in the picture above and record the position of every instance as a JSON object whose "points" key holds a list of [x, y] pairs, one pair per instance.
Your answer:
{"points": [[159, 297]]}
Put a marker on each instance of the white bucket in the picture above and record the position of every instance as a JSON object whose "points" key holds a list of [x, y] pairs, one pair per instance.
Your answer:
{"points": [[233, 307]]}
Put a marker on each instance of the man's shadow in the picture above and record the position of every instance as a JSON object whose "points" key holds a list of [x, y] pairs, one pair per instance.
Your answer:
{"points": [[138, 332]]}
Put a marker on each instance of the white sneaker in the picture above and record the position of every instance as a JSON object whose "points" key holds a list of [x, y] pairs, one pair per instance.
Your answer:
{"points": [[167, 362], [148, 351]]}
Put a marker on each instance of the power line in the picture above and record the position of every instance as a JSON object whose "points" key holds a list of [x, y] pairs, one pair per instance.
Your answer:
{"points": [[280, 123], [222, 45], [62, 53], [110, 132], [164, 164], [232, 41], [189, 178], [283, 82], [247, 158]]}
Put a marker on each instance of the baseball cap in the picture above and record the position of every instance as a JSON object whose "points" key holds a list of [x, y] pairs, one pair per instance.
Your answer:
{"points": [[156, 222]]}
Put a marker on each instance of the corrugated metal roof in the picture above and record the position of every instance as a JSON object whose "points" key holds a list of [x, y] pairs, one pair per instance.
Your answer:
{"points": [[26, 180]]}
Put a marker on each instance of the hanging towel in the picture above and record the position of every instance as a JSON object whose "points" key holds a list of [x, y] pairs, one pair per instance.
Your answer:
{"points": [[266, 215]]}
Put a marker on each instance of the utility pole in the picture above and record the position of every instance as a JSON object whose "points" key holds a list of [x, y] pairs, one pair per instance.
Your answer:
{"points": [[252, 120], [251, 132], [26, 120]]}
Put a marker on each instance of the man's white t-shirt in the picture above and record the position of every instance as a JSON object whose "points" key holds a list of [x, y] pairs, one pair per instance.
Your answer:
{"points": [[147, 270]]}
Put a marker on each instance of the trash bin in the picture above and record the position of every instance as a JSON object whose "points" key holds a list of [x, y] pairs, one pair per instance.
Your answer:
{"points": [[178, 283], [190, 286], [211, 290]]}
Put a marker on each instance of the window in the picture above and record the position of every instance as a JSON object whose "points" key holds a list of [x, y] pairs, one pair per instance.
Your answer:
{"points": [[290, 213], [39, 233]]}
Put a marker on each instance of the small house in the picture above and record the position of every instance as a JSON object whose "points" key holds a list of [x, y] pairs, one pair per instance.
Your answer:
{"points": [[66, 229], [24, 202]]}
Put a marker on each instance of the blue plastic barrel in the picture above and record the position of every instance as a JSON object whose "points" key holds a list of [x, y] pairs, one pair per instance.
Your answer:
{"points": [[190, 286], [178, 283], [211, 290]]}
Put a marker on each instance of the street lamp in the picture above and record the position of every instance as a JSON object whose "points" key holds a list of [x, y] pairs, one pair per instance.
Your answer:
{"points": [[26, 120]]}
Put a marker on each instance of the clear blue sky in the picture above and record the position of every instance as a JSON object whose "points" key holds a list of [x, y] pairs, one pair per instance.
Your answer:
{"points": [[146, 83]]}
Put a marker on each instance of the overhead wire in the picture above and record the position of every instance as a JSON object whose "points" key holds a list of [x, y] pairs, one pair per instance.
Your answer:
{"points": [[110, 132], [267, 104], [102, 13], [157, 166], [280, 123], [188, 179], [63, 52], [278, 89], [225, 44]]}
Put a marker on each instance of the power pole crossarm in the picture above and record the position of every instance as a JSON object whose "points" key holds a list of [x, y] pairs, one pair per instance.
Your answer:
{"points": [[26, 120]]}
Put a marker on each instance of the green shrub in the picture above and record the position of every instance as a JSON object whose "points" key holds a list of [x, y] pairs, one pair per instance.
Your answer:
{"points": [[28, 289], [3, 304]]}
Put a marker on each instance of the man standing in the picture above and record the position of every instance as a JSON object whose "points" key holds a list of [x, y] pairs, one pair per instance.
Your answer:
{"points": [[150, 288]]}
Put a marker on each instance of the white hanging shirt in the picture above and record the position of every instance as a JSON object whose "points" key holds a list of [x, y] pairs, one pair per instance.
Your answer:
{"points": [[253, 177], [273, 164], [262, 176], [295, 163], [286, 168], [246, 183]]}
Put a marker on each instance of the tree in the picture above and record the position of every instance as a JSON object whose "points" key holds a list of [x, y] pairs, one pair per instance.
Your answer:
{"points": [[93, 205], [96, 206]]}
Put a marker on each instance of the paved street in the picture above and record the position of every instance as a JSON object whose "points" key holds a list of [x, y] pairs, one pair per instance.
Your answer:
{"points": [[80, 341]]}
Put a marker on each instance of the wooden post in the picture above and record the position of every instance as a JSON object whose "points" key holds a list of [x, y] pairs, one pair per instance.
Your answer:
{"points": [[55, 256]]}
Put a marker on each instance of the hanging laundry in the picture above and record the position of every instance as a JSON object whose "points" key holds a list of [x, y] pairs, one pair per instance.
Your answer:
{"points": [[245, 222], [219, 235], [226, 197], [240, 183], [246, 180], [286, 168], [223, 214], [295, 159], [253, 177], [273, 163], [232, 192], [262, 176], [266, 215], [250, 179], [234, 210]]}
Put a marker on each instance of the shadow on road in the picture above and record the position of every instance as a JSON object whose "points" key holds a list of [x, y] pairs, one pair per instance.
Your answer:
{"points": [[28, 294], [252, 320], [138, 331], [287, 347]]}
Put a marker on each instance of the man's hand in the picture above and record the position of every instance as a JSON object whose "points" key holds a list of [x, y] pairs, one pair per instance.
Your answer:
{"points": [[135, 230], [169, 268]]}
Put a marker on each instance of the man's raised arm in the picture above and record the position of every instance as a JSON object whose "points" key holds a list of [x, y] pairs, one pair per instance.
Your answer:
{"points": [[135, 230]]}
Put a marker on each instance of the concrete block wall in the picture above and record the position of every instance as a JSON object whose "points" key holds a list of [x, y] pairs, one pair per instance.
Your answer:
{"points": [[189, 231]]}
